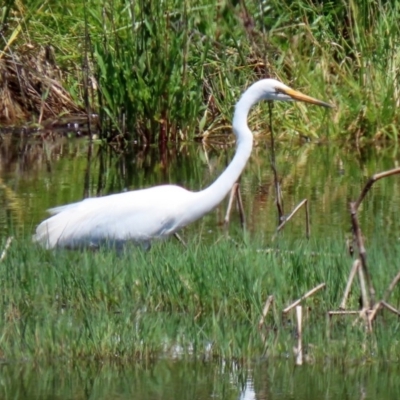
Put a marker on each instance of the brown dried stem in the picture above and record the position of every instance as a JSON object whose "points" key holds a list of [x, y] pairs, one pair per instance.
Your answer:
{"points": [[266, 308], [383, 302], [239, 203], [392, 285], [235, 192], [299, 348], [354, 269], [362, 252], [374, 178], [230, 204], [4, 252], [330, 313], [290, 216], [279, 202], [390, 308], [357, 230], [308, 294]]}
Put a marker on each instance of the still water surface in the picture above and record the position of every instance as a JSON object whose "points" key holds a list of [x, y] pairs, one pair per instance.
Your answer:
{"points": [[38, 175], [189, 380]]}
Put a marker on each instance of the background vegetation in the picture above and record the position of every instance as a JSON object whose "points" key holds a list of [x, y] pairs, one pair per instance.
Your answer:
{"points": [[171, 70]]}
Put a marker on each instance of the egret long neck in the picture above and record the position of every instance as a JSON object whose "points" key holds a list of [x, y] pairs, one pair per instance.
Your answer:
{"points": [[210, 197]]}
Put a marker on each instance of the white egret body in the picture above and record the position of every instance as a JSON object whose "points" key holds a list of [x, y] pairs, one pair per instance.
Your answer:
{"points": [[146, 214]]}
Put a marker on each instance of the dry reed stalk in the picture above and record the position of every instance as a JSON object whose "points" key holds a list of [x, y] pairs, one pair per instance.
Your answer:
{"points": [[230, 204], [308, 294], [239, 202], [362, 252], [390, 308], [383, 302], [180, 240], [364, 293], [266, 308], [343, 312], [299, 348], [354, 269], [357, 230], [290, 216], [7, 245], [374, 178], [392, 285], [278, 201]]}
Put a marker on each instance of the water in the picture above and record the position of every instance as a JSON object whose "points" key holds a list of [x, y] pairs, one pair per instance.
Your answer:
{"points": [[179, 379], [36, 175]]}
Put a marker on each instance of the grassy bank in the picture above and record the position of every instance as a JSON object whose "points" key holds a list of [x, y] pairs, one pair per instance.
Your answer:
{"points": [[173, 70], [206, 300]]}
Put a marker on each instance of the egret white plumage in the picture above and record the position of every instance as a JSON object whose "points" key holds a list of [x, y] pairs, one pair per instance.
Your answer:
{"points": [[147, 214]]}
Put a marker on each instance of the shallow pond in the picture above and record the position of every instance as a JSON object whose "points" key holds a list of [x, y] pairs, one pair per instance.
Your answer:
{"points": [[178, 379], [37, 175]]}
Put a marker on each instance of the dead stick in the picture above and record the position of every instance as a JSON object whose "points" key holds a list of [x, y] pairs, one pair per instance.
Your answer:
{"points": [[343, 312], [279, 204], [372, 180], [299, 349], [177, 236], [362, 252], [230, 204], [308, 230], [373, 312], [390, 288], [391, 308], [308, 294], [364, 293], [354, 269], [8, 243], [290, 216], [239, 202], [267, 305]]}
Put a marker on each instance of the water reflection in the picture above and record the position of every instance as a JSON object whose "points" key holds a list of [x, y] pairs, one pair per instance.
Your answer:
{"points": [[36, 175], [191, 379]]}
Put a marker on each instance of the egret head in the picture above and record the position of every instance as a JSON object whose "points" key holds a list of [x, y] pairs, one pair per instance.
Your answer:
{"points": [[275, 90]]}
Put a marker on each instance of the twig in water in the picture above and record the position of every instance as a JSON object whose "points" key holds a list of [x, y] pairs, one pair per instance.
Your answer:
{"points": [[390, 308], [290, 216], [299, 348], [239, 202], [362, 252], [390, 288], [279, 202], [364, 292], [343, 312], [8, 243], [230, 204], [267, 305], [235, 192], [177, 236], [354, 269], [358, 235], [308, 294], [383, 302], [374, 178]]}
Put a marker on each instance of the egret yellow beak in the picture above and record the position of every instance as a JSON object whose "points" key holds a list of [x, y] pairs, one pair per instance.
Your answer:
{"points": [[298, 96]]}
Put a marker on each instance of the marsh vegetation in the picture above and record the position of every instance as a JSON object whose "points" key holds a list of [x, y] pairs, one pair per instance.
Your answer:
{"points": [[168, 73]]}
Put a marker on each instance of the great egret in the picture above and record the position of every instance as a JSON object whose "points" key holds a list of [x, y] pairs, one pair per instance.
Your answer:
{"points": [[146, 214]]}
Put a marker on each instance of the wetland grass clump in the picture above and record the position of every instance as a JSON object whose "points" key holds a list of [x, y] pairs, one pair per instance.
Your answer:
{"points": [[202, 301], [173, 71]]}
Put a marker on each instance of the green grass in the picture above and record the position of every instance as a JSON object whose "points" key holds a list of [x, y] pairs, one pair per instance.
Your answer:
{"points": [[207, 300], [173, 71]]}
